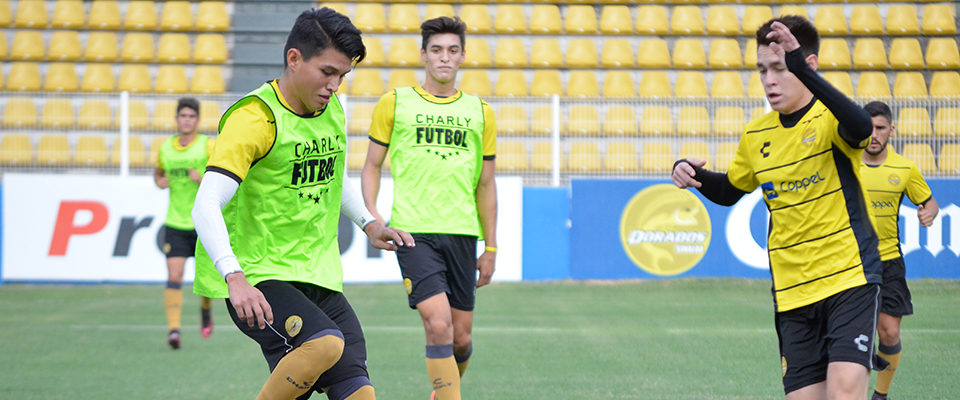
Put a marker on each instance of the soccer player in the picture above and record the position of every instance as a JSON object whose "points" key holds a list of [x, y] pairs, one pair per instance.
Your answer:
{"points": [[822, 247], [267, 214], [442, 146], [182, 158], [888, 176]]}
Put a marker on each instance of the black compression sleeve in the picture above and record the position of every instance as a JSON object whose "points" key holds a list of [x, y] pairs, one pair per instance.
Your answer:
{"points": [[855, 123], [715, 186]]}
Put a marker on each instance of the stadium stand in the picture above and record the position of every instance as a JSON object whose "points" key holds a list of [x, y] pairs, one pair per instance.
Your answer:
{"points": [[94, 114], [16, 150], [652, 20], [725, 54], [141, 16], [841, 81], [830, 21], [101, 47], [546, 53], [620, 121], [910, 86], [583, 120], [617, 53], [873, 86], [621, 157], [91, 151], [754, 17], [511, 83], [68, 14], [653, 54], [581, 19], [479, 54], [582, 53], [61, 77], [31, 14], [834, 54], [64, 46], [98, 78], [512, 156], [176, 16], [939, 19], [950, 159], [914, 122], [922, 155], [722, 21], [656, 121], [476, 82], [104, 15], [545, 20], [657, 157], [404, 52], [866, 21], [404, 18], [584, 157], [615, 20], [619, 84], [691, 84], [477, 17], [137, 154], [945, 85], [174, 48], [370, 17], [655, 85], [53, 151], [869, 53], [583, 83], [902, 20], [942, 53], [27, 46], [696, 149], [693, 121], [402, 78], [905, 54], [546, 83], [57, 114], [728, 121], [510, 20], [727, 85], [689, 54], [512, 120], [947, 123], [443, 10]]}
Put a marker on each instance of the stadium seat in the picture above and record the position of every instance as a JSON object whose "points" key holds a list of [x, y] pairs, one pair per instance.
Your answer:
{"points": [[20, 112], [27, 46], [905, 54], [176, 16], [616, 20], [477, 18], [691, 85], [725, 154], [478, 55], [652, 20], [902, 20], [582, 53], [164, 117], [655, 85], [512, 120], [212, 16], [57, 114], [105, 15], [542, 159], [510, 20], [727, 85], [545, 20], [476, 82], [688, 54], [621, 157], [757, 112], [98, 78], [53, 151], [728, 121], [656, 121], [6, 14], [542, 121], [922, 155], [135, 79], [619, 84], [138, 115], [404, 52], [357, 153], [434, 11], [402, 78], [657, 157], [869, 53], [101, 47], [546, 53], [755, 87], [581, 19], [171, 79], [367, 82], [873, 85], [910, 86], [945, 85], [141, 16], [750, 54], [583, 120], [725, 54], [512, 156], [834, 54], [31, 14], [584, 157], [583, 83], [404, 18], [620, 121], [547, 83], [696, 149], [375, 55], [510, 53], [91, 151], [4, 48], [866, 21], [722, 21], [693, 121], [137, 47], [94, 114], [68, 14], [210, 48], [914, 122], [361, 117], [61, 77], [942, 53], [174, 48], [754, 17], [209, 116], [207, 79], [653, 54], [841, 81], [16, 149], [687, 20], [947, 122], [511, 83], [938, 19], [830, 21], [616, 53], [950, 159], [791, 9], [23, 77], [370, 18], [138, 155]]}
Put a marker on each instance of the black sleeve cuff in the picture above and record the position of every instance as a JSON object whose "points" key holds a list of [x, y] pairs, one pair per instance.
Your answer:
{"points": [[378, 142], [490, 157], [222, 171], [715, 186]]}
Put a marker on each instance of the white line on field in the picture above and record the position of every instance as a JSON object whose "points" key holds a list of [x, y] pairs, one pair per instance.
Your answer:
{"points": [[373, 328]]}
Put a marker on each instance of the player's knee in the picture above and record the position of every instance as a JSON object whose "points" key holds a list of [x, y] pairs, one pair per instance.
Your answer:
{"points": [[889, 334], [356, 388], [462, 342], [439, 327], [325, 348]]}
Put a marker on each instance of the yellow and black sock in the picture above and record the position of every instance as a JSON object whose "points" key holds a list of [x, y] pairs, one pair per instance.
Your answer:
{"points": [[463, 360], [173, 303], [885, 377], [443, 372], [205, 319], [299, 369]]}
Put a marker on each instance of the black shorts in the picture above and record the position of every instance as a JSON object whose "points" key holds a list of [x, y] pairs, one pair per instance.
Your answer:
{"points": [[316, 309], [895, 297], [440, 264], [839, 328], [178, 242]]}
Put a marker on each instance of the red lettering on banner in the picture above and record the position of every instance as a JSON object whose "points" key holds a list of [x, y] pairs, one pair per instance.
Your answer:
{"points": [[65, 227]]}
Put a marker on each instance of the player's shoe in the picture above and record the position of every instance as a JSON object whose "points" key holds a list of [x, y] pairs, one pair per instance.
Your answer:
{"points": [[174, 339], [206, 323], [433, 395], [878, 396]]}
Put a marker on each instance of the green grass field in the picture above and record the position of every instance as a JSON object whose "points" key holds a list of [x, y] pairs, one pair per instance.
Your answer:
{"points": [[667, 339]]}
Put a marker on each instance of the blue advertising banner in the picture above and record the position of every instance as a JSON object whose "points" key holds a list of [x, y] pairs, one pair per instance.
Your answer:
{"points": [[643, 228]]}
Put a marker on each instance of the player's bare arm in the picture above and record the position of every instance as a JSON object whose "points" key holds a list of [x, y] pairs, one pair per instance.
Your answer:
{"points": [[684, 173], [487, 210], [927, 211], [370, 177], [250, 304]]}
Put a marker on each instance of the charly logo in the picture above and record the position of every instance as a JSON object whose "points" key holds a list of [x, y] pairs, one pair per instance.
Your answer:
{"points": [[293, 325], [444, 136], [809, 137], [894, 179], [665, 231], [314, 167], [408, 285]]}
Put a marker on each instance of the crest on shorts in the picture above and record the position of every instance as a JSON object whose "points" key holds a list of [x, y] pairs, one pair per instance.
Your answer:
{"points": [[166, 248], [408, 285], [783, 365], [293, 325]]}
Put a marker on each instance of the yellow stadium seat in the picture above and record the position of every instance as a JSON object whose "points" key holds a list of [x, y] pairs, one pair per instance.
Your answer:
{"points": [[138, 155], [950, 159], [905, 54], [207, 79], [404, 18], [793, 10], [619, 84], [511, 83], [582, 53], [616, 53], [138, 115], [57, 114], [212, 16], [728, 121], [6, 14], [174, 48], [137, 47], [104, 14], [94, 114], [583, 120], [27, 46], [4, 48], [725, 154], [902, 20], [402, 78], [542, 122], [61, 77], [434, 11], [688, 54], [141, 16], [547, 83], [755, 87], [691, 85], [693, 121], [511, 53], [942, 53], [621, 157], [620, 121], [154, 153], [727, 85], [546, 53], [866, 20], [367, 82], [938, 19], [754, 17], [583, 83], [24, 77], [510, 19], [512, 120], [135, 79], [922, 155], [375, 55], [370, 18], [478, 55], [652, 20], [657, 157], [545, 20], [757, 112], [722, 21], [164, 116], [584, 157], [830, 21], [404, 52], [53, 151], [101, 47], [98, 78], [656, 121], [210, 48], [910, 86], [947, 122], [542, 159], [357, 153], [171, 79], [750, 54], [945, 85], [725, 54], [616, 20], [477, 18], [696, 149], [581, 19], [653, 54], [841, 81], [68, 14], [176, 16], [16, 149], [656, 85], [209, 116], [20, 113], [834, 54], [476, 82], [873, 85], [31, 14], [687, 20], [361, 116], [914, 122], [512, 156], [869, 53], [91, 151]]}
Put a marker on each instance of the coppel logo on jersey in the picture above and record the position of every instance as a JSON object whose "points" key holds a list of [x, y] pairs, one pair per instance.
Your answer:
{"points": [[770, 190]]}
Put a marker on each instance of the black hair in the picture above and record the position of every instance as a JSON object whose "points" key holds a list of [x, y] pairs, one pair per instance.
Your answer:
{"points": [[318, 29], [877, 108], [441, 25], [801, 28], [188, 102]]}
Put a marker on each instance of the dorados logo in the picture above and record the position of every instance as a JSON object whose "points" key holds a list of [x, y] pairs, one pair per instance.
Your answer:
{"points": [[894, 179], [664, 230], [809, 137]]}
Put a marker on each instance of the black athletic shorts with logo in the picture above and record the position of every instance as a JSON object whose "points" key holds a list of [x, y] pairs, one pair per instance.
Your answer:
{"points": [[178, 242], [440, 263], [895, 296], [312, 311], [839, 328]]}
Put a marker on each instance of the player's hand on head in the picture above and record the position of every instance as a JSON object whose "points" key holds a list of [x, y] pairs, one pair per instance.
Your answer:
{"points": [[486, 264], [684, 172], [248, 301], [784, 40]]}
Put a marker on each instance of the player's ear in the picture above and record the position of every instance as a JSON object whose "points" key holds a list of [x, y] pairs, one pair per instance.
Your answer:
{"points": [[423, 55], [813, 61], [293, 58]]}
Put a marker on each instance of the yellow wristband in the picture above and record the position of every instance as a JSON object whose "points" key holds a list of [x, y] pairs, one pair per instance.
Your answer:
{"points": [[491, 249]]}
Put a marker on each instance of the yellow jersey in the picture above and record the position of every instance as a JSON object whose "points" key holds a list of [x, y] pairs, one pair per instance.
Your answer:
{"points": [[886, 184]]}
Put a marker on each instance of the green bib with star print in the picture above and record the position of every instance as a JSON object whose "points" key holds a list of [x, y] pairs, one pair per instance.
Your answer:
{"points": [[436, 155], [283, 219], [177, 163]]}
